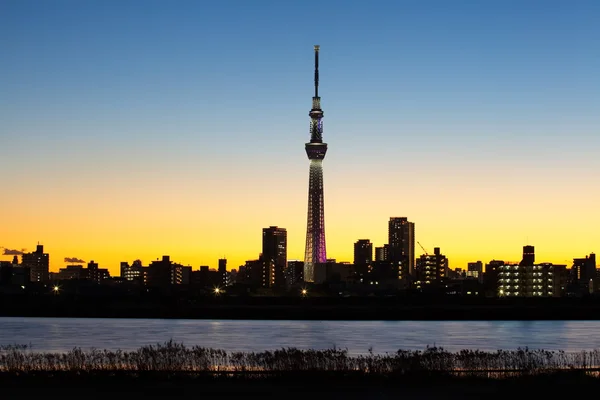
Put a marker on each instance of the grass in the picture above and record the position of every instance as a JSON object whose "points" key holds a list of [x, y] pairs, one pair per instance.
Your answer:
{"points": [[178, 360]]}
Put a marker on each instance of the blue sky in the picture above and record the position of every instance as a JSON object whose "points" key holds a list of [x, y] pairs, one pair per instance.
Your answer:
{"points": [[413, 62], [418, 93]]}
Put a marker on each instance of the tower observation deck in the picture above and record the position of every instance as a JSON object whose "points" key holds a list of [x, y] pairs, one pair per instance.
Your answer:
{"points": [[315, 254]]}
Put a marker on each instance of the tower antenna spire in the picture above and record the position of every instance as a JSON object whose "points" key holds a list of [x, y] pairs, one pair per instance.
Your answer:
{"points": [[315, 255], [317, 70]]}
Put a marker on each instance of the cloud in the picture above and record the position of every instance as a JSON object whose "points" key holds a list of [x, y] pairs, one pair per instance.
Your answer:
{"points": [[73, 260], [11, 252]]}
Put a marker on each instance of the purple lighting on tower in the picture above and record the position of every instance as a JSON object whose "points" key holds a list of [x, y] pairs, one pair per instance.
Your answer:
{"points": [[315, 254]]}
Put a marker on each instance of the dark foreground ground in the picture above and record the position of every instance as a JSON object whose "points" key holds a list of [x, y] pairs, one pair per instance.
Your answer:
{"points": [[282, 308], [296, 387]]}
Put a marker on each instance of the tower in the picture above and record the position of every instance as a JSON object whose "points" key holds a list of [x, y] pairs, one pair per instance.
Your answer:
{"points": [[315, 254]]}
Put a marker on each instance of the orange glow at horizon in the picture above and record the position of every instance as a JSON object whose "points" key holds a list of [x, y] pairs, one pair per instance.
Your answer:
{"points": [[196, 225]]}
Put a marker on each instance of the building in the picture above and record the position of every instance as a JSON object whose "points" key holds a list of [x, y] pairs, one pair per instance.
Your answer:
{"points": [[475, 270], [582, 276], [315, 255], [274, 256], [13, 273], [252, 273], [363, 257], [79, 272], [134, 273], [180, 274], [538, 280], [95, 274], [164, 273], [382, 253], [432, 268], [295, 272], [223, 272], [528, 256], [205, 278], [70, 272], [401, 239], [528, 279], [38, 263]]}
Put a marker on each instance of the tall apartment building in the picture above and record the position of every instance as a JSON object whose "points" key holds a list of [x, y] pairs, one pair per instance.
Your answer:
{"points": [[274, 255], [401, 240], [363, 257], [223, 272]]}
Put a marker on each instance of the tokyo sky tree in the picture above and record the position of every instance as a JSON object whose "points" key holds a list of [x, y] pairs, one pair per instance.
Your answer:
{"points": [[315, 253]]}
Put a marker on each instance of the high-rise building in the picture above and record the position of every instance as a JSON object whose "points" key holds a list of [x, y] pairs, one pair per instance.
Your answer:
{"points": [[401, 238], [223, 271], [315, 255], [274, 255], [363, 256], [294, 273], [38, 263]]}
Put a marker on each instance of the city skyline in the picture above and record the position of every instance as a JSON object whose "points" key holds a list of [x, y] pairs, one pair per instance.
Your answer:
{"points": [[125, 138]]}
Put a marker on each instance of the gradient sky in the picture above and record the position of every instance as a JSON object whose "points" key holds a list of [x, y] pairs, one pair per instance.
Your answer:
{"points": [[136, 129]]}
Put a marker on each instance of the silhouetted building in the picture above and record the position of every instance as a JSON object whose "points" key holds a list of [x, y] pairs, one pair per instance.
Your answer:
{"points": [[583, 275], [528, 256], [431, 268], [223, 272], [475, 270], [38, 263], [490, 277], [401, 238], [337, 272], [232, 277], [382, 272], [363, 257], [69, 272], [159, 273], [205, 278], [14, 274], [95, 274], [382, 253], [134, 273], [274, 256], [253, 273], [294, 272]]}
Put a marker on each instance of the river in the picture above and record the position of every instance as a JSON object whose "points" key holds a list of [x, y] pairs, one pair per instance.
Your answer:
{"points": [[63, 334]]}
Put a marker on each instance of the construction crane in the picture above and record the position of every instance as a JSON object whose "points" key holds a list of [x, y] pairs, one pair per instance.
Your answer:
{"points": [[423, 248]]}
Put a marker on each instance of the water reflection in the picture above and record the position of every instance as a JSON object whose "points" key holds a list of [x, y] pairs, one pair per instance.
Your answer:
{"points": [[62, 334]]}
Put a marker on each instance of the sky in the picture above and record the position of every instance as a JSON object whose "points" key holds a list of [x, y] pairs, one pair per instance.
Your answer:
{"points": [[137, 129]]}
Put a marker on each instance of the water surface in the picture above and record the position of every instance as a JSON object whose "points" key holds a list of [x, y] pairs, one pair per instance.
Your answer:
{"points": [[63, 334]]}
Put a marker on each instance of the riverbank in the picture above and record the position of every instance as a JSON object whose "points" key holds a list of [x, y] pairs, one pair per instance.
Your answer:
{"points": [[173, 370], [281, 308]]}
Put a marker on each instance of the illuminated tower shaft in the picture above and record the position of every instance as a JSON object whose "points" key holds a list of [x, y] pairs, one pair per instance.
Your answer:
{"points": [[315, 254]]}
